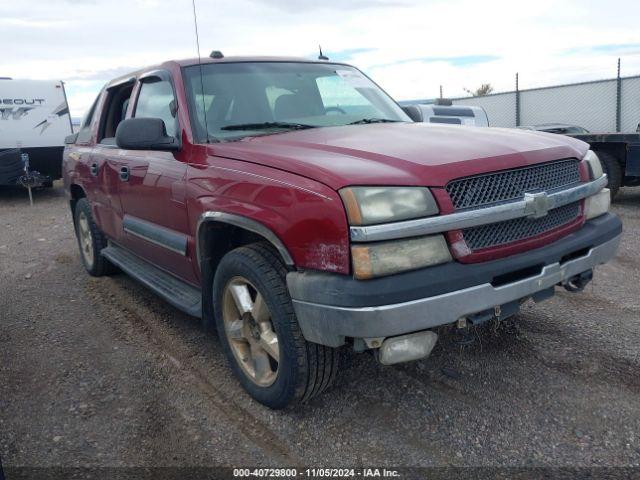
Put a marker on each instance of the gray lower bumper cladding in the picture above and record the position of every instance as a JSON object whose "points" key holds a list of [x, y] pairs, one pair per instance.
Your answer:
{"points": [[329, 324]]}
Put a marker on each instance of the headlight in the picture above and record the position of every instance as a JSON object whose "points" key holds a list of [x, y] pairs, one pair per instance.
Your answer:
{"points": [[595, 167], [372, 205], [597, 204], [386, 258]]}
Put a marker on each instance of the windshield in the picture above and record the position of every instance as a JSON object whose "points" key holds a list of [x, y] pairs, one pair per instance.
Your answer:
{"points": [[245, 99]]}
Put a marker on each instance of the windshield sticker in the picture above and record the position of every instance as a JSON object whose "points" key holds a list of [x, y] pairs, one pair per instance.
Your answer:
{"points": [[355, 79]]}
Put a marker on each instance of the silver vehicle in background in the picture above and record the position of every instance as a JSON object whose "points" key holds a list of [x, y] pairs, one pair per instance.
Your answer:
{"points": [[443, 111]]}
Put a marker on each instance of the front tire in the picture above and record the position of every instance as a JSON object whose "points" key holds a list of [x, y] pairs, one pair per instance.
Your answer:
{"points": [[91, 241], [259, 332], [613, 169]]}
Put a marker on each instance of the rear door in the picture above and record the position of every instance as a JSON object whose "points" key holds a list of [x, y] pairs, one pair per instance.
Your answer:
{"points": [[82, 165], [153, 190]]}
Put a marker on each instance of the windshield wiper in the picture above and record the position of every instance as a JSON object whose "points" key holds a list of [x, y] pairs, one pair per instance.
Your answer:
{"points": [[373, 120], [267, 125]]}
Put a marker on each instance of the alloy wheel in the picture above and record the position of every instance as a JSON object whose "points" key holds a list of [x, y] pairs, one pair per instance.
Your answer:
{"points": [[250, 331], [86, 238]]}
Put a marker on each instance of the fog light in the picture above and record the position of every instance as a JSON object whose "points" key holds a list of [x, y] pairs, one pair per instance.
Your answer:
{"points": [[597, 204], [407, 348]]}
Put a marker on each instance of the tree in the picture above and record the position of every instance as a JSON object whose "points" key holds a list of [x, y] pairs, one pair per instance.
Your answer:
{"points": [[484, 89]]}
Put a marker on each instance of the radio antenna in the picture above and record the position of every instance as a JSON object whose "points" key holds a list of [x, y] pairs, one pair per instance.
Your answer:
{"points": [[204, 107], [322, 56]]}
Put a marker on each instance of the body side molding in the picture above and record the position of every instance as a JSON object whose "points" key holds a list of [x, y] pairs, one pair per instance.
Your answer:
{"points": [[156, 234]]}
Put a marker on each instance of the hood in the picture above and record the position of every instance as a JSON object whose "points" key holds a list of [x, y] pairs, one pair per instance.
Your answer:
{"points": [[399, 153]]}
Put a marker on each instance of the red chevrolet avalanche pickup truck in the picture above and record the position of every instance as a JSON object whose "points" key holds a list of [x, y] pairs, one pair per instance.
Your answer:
{"points": [[296, 207]]}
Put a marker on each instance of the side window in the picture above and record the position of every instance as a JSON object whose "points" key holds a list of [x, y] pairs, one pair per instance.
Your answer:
{"points": [[84, 134], [156, 100], [113, 112]]}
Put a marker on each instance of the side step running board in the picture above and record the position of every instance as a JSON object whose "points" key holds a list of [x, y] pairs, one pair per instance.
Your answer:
{"points": [[178, 293]]}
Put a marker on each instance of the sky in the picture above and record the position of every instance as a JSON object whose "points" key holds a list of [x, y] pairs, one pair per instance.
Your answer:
{"points": [[409, 47]]}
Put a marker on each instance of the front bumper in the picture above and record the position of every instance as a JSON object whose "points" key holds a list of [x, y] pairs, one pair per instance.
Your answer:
{"points": [[331, 307]]}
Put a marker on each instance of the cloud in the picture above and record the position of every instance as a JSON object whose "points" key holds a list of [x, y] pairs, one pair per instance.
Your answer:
{"points": [[462, 61], [106, 74], [468, 60], [342, 55], [614, 49], [409, 47], [304, 6], [25, 22]]}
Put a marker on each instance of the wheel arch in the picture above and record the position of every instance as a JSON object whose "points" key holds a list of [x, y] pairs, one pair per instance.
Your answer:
{"points": [[211, 221], [615, 149], [217, 233], [76, 192]]}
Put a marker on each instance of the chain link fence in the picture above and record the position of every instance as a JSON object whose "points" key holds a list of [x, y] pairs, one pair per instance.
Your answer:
{"points": [[599, 106], [630, 104], [500, 108]]}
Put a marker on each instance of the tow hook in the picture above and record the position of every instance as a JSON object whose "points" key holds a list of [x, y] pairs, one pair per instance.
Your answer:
{"points": [[578, 282], [463, 333]]}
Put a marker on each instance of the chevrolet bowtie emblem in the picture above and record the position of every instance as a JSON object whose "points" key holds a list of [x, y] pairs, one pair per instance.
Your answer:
{"points": [[537, 205]]}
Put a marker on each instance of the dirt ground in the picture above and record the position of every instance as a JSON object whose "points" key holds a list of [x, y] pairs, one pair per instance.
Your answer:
{"points": [[101, 372]]}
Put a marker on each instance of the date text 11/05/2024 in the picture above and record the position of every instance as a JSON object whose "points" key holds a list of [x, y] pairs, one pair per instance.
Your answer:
{"points": [[316, 472]]}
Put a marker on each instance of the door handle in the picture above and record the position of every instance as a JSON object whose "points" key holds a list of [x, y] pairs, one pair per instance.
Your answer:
{"points": [[124, 174], [94, 169]]}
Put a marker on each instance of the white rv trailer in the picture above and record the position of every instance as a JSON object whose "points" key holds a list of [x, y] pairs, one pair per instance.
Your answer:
{"points": [[34, 120]]}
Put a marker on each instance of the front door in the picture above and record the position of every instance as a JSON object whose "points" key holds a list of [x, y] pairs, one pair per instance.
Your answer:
{"points": [[152, 188]]}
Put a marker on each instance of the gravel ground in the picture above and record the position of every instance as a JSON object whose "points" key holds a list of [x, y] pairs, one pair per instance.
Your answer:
{"points": [[100, 372]]}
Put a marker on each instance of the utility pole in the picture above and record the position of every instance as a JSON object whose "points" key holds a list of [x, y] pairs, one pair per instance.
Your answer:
{"points": [[618, 100]]}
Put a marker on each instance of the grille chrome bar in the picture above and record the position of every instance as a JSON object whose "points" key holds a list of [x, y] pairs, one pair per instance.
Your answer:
{"points": [[474, 218]]}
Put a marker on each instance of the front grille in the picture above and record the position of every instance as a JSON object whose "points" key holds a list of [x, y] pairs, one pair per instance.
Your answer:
{"points": [[482, 190], [501, 233]]}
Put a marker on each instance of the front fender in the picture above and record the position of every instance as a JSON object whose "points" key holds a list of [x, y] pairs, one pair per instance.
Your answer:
{"points": [[303, 218]]}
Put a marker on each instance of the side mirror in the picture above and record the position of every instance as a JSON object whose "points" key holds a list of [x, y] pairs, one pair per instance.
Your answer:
{"points": [[71, 139], [414, 112], [144, 134]]}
